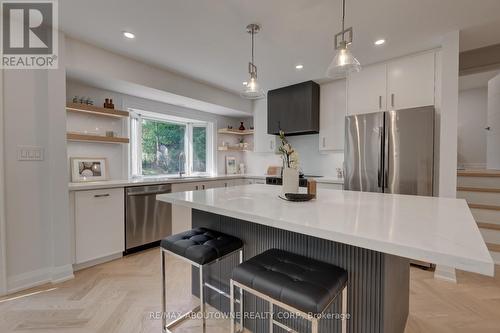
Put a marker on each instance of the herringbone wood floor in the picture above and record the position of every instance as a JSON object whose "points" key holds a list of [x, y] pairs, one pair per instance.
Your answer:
{"points": [[119, 296]]}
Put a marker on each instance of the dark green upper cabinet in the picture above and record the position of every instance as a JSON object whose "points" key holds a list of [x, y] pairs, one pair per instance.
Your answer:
{"points": [[294, 109]]}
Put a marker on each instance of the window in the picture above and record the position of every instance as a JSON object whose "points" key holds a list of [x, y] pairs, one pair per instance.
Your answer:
{"points": [[199, 149], [163, 145]]}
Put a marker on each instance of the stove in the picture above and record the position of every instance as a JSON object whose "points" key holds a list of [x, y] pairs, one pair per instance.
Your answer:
{"points": [[275, 180]]}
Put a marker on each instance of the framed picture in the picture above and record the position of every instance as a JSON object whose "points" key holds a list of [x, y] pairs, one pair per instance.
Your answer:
{"points": [[88, 169], [231, 165]]}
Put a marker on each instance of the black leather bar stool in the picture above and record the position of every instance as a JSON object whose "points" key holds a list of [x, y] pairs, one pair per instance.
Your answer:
{"points": [[200, 247], [292, 282]]}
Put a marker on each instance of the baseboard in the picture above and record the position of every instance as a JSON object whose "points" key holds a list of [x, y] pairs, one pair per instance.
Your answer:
{"points": [[27, 280], [90, 263], [62, 273], [472, 165], [496, 257], [38, 277]]}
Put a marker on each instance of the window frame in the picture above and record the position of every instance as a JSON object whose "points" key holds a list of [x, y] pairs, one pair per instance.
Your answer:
{"points": [[136, 117]]}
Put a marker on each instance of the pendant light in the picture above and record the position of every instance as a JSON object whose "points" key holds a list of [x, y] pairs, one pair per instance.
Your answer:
{"points": [[343, 62], [252, 89]]}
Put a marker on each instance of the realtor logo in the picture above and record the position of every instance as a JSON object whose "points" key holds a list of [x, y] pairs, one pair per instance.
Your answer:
{"points": [[29, 34]]}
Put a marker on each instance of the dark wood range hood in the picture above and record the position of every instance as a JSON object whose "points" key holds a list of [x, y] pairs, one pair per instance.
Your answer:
{"points": [[294, 109]]}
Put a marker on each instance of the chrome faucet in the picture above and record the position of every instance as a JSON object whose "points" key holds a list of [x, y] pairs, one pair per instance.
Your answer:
{"points": [[182, 157]]}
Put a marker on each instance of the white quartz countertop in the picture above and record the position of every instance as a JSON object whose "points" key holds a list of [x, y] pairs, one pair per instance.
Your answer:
{"points": [[173, 180], [436, 230]]}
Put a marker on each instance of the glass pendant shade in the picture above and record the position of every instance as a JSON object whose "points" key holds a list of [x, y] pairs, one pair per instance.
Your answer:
{"points": [[252, 90], [343, 63]]}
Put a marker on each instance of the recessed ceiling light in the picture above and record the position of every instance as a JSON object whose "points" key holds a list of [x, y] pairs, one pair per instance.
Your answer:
{"points": [[299, 66], [128, 35], [245, 83], [380, 42]]}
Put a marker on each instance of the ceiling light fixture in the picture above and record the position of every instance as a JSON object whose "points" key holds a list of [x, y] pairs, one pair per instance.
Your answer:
{"points": [[128, 35], [343, 62], [252, 90], [299, 66], [380, 42]]}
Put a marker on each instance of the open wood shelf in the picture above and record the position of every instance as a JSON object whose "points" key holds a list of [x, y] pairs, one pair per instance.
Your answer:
{"points": [[78, 107], [72, 136], [233, 149], [234, 131]]}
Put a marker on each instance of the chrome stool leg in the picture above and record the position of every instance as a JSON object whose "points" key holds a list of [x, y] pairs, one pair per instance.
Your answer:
{"points": [[202, 298], [231, 306], [314, 325], [242, 316], [202, 307], [271, 318], [344, 310], [163, 293]]}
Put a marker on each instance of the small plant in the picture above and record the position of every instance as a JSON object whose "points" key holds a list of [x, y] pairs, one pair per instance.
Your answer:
{"points": [[288, 154]]}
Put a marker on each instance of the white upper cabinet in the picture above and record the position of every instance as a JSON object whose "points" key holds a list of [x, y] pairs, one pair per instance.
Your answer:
{"points": [[332, 111], [397, 84], [410, 81], [368, 90], [263, 142]]}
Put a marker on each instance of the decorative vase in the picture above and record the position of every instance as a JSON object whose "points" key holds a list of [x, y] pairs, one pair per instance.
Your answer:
{"points": [[290, 181]]}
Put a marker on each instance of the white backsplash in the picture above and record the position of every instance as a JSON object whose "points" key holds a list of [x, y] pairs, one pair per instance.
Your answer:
{"points": [[312, 161]]}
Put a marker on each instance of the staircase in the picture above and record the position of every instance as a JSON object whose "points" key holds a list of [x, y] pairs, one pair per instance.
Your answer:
{"points": [[481, 189]]}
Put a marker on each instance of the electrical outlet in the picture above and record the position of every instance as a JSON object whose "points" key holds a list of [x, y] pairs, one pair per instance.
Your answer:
{"points": [[29, 153]]}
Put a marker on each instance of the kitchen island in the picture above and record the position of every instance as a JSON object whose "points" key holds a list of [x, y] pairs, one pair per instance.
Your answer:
{"points": [[371, 235]]}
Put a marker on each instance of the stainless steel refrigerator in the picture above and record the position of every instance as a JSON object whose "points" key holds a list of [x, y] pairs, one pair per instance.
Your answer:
{"points": [[390, 152]]}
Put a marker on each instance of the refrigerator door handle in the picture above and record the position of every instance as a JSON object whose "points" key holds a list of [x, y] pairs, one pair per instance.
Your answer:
{"points": [[380, 156]]}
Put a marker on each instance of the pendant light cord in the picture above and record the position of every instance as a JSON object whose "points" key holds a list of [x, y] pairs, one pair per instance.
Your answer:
{"points": [[343, 19], [253, 31]]}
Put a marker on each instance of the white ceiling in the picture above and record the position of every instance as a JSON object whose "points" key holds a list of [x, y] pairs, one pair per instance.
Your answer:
{"points": [[206, 39]]}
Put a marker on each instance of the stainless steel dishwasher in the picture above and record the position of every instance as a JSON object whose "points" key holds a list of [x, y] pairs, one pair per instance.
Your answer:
{"points": [[147, 220]]}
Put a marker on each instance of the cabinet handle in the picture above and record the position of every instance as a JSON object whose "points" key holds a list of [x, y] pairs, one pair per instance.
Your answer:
{"points": [[196, 187], [101, 195], [324, 140], [392, 100], [380, 102]]}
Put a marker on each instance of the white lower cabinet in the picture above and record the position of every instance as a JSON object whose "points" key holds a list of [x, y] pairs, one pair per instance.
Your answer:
{"points": [[181, 216], [330, 186], [259, 181], [99, 224]]}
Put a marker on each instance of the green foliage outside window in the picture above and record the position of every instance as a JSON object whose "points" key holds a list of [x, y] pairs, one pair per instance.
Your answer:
{"points": [[199, 149], [162, 143]]}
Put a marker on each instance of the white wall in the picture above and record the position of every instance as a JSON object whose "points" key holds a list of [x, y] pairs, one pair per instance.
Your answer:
{"points": [[314, 162], [447, 116], [118, 154], [472, 111], [3, 238], [37, 243], [445, 184], [493, 121]]}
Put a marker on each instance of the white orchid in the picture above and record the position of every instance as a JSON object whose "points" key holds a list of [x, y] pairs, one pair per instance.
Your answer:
{"points": [[288, 154]]}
